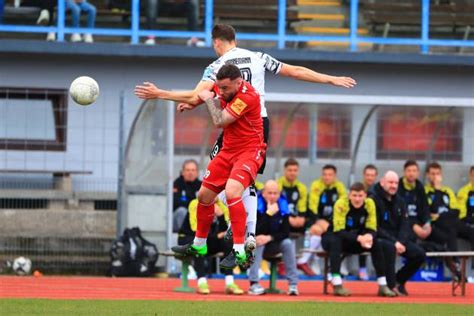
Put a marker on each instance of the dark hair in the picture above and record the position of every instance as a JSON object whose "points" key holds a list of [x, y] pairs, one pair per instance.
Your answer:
{"points": [[410, 163], [333, 167], [371, 166], [433, 165], [188, 161], [357, 187], [471, 170], [291, 162], [223, 32], [228, 71]]}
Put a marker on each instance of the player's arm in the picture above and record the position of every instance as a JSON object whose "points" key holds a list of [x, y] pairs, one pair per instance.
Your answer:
{"points": [[220, 118], [463, 195], [150, 91], [306, 74]]}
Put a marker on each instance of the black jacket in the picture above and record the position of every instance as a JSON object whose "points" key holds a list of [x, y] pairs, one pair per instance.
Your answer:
{"points": [[416, 202], [392, 217], [277, 225], [184, 192]]}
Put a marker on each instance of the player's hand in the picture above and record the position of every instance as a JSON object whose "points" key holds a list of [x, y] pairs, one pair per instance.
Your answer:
{"points": [[366, 241], [181, 107], [220, 235], [206, 95], [434, 216], [345, 82], [147, 91], [272, 209], [400, 248], [263, 239]]}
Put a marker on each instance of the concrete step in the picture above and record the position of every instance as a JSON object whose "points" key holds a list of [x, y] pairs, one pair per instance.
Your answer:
{"points": [[321, 17], [318, 3], [328, 30], [323, 45], [319, 23]]}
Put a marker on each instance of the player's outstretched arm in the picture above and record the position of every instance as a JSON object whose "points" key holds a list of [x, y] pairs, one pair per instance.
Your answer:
{"points": [[220, 118], [306, 74], [150, 91]]}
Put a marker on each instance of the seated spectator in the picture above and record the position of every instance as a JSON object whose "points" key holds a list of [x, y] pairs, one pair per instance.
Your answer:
{"points": [[324, 192], [466, 202], [76, 6], [369, 178], [2, 6], [353, 230], [185, 189], [188, 8], [445, 210], [393, 229], [46, 16], [215, 244], [296, 195], [273, 230]]}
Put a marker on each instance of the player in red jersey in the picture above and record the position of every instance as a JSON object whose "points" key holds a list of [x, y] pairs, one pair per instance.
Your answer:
{"points": [[236, 109]]}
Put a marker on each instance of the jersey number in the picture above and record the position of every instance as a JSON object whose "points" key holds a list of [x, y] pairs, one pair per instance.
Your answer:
{"points": [[246, 74]]}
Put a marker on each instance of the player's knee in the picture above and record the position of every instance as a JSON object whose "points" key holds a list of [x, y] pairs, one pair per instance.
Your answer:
{"points": [[204, 196], [233, 189]]}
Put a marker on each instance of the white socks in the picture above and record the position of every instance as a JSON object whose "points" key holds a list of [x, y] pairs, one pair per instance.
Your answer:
{"points": [[314, 243], [199, 241], [239, 248], [201, 281], [336, 279], [382, 281], [229, 279]]}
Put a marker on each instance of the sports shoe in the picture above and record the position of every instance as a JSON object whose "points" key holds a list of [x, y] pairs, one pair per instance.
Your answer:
{"points": [[256, 289], [249, 247], [190, 250], [306, 269], [400, 290], [88, 38], [43, 18], [150, 41], [385, 291], [339, 290], [233, 289], [203, 288], [363, 274], [76, 37], [233, 259], [293, 290], [51, 37]]}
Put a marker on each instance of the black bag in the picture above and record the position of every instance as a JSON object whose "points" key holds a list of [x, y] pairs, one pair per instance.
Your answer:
{"points": [[133, 255]]}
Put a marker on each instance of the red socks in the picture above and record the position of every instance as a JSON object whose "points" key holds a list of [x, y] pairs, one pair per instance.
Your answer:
{"points": [[238, 219], [205, 217]]}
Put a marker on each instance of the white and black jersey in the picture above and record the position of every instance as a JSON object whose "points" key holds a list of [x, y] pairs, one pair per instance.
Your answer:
{"points": [[252, 65]]}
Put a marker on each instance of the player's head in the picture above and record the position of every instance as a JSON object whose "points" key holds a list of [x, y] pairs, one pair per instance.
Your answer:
{"points": [[389, 182], [434, 172], [411, 170], [328, 174], [223, 36], [271, 191], [370, 174], [189, 171], [471, 174], [357, 194], [228, 80], [291, 170]]}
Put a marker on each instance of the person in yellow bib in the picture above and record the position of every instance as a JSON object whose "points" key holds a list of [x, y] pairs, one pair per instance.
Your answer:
{"points": [[353, 229]]}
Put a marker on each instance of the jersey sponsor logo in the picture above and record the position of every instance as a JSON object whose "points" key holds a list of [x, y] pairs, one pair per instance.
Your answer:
{"points": [[238, 106], [238, 61]]}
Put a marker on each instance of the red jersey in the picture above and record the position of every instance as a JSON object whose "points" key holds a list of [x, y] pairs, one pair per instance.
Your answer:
{"points": [[247, 130]]}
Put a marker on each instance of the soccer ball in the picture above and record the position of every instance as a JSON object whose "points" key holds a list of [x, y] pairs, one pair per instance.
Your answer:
{"points": [[22, 266], [84, 90]]}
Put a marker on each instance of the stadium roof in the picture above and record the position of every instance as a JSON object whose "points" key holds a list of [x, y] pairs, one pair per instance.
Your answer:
{"points": [[178, 51]]}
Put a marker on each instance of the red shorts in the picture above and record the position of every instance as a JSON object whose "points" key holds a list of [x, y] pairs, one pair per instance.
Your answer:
{"points": [[241, 166]]}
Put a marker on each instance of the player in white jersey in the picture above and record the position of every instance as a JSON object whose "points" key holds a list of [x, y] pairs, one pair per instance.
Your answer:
{"points": [[253, 66]]}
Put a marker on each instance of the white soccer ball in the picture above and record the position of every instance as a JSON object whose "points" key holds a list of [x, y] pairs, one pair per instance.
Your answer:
{"points": [[22, 266], [84, 90]]}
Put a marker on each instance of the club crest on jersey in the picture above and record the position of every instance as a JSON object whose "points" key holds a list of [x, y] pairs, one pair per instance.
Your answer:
{"points": [[238, 106], [446, 199]]}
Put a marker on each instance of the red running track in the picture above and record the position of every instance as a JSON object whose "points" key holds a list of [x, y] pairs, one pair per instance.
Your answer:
{"points": [[162, 289]]}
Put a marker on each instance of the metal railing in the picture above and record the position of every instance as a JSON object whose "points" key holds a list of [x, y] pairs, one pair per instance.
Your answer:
{"points": [[280, 37]]}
